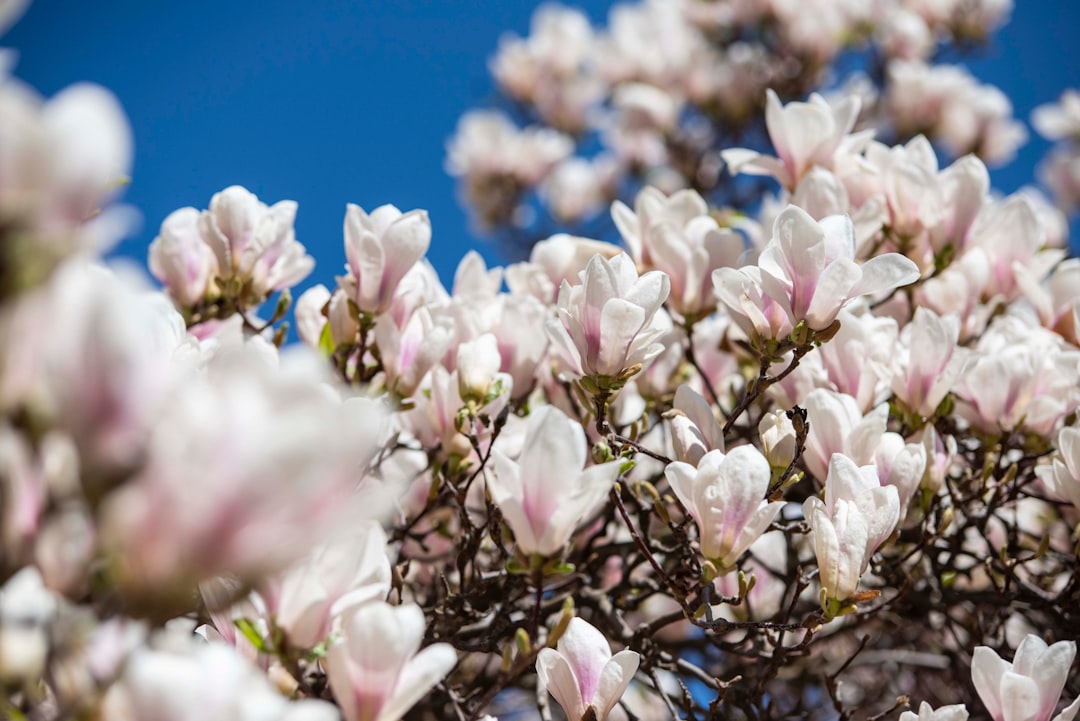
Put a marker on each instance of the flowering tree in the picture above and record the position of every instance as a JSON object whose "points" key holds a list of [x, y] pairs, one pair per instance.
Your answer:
{"points": [[819, 463]]}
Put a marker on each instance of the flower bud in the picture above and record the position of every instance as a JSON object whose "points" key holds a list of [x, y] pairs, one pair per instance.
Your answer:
{"points": [[778, 441]]}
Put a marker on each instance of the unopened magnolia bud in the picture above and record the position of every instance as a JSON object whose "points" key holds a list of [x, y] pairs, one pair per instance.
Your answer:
{"points": [[777, 438]]}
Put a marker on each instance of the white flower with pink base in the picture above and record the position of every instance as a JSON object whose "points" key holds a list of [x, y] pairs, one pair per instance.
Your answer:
{"points": [[582, 675]]}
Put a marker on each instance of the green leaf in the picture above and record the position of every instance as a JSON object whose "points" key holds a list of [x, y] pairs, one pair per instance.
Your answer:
{"points": [[247, 628], [326, 341]]}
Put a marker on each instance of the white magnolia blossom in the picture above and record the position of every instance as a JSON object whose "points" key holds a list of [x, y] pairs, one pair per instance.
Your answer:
{"points": [[1029, 688], [347, 571], [1062, 475], [27, 609], [694, 429], [376, 668], [547, 492], [581, 673], [677, 235], [381, 248], [208, 681], [725, 495], [808, 271], [804, 135], [855, 518], [956, 712], [606, 329]]}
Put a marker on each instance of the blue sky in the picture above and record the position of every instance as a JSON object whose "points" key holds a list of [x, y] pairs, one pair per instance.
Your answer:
{"points": [[334, 101]]}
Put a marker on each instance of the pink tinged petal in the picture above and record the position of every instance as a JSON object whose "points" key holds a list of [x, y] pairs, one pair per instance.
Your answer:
{"points": [[620, 321], [180, 259], [826, 545], [987, 669], [845, 481], [681, 477], [616, 676], [1019, 698], [800, 242], [235, 213], [587, 652], [885, 272], [367, 260], [796, 131], [558, 678], [309, 318], [649, 291], [336, 666], [831, 294], [591, 486], [839, 238], [1069, 443], [563, 347], [419, 675], [744, 477], [504, 487], [404, 242]]}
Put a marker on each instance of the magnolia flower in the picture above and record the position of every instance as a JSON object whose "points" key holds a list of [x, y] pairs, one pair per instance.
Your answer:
{"points": [[725, 495], [929, 362], [559, 258], [694, 429], [837, 425], [1028, 689], [855, 518], [521, 348], [62, 160], [677, 235], [808, 269], [27, 609], [547, 492], [189, 680], [1021, 376], [581, 673], [350, 570], [1061, 120], [856, 359], [478, 363], [1062, 476], [778, 438], [606, 329], [181, 259], [804, 135], [252, 243], [956, 712], [381, 248], [374, 668], [409, 352], [247, 470]]}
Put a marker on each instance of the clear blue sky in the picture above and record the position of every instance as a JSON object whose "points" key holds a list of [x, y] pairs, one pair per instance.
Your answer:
{"points": [[334, 101]]}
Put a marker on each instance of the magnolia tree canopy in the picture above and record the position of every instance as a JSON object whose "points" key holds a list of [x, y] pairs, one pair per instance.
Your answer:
{"points": [[803, 446]]}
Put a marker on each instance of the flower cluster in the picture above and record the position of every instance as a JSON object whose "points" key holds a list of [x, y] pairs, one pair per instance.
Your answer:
{"points": [[657, 95], [821, 459]]}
